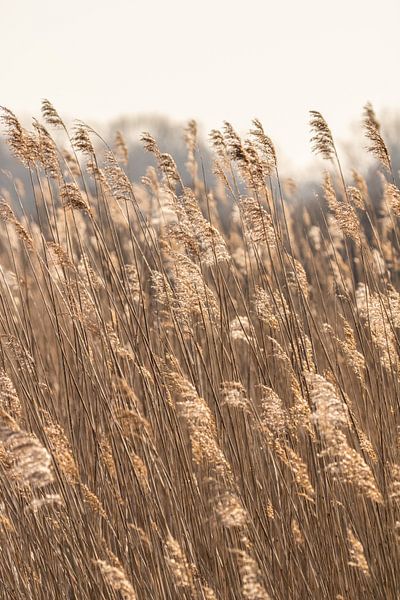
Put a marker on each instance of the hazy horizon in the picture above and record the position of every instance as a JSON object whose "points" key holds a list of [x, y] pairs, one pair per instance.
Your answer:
{"points": [[97, 62]]}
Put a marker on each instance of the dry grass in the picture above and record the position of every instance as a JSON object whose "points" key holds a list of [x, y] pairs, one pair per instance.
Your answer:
{"points": [[199, 390]]}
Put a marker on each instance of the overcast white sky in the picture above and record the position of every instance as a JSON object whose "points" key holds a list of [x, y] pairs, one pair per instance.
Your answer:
{"points": [[211, 60]]}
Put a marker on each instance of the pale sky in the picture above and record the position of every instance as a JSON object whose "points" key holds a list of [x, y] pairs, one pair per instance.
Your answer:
{"points": [[213, 60]]}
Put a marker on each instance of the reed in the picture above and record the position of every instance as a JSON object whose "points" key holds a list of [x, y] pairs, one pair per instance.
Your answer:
{"points": [[199, 386]]}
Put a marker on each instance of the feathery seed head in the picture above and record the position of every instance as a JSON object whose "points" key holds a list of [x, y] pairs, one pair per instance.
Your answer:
{"points": [[322, 140], [377, 146]]}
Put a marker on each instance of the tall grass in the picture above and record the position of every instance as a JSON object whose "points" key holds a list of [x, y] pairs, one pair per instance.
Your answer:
{"points": [[199, 389]]}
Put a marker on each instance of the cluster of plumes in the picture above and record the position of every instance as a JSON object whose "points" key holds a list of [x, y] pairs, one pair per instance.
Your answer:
{"points": [[348, 346], [234, 395], [181, 569], [230, 511], [391, 196], [298, 468], [82, 302], [198, 384], [185, 573], [343, 211], [72, 197], [299, 411], [196, 233], [22, 143], [116, 178], [21, 356], [252, 168], [274, 416], [28, 461], [128, 415], [377, 146], [264, 143], [185, 292], [235, 518], [252, 588], [240, 329], [254, 157], [381, 314], [356, 551], [331, 416], [394, 493], [81, 140], [298, 277], [60, 256], [9, 400], [165, 161], [116, 579], [61, 450], [322, 140], [267, 307], [37, 146], [276, 422], [7, 216], [356, 197], [257, 222], [51, 115], [199, 420], [47, 152]]}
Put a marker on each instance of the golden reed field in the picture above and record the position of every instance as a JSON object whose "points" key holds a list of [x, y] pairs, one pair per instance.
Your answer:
{"points": [[199, 384]]}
